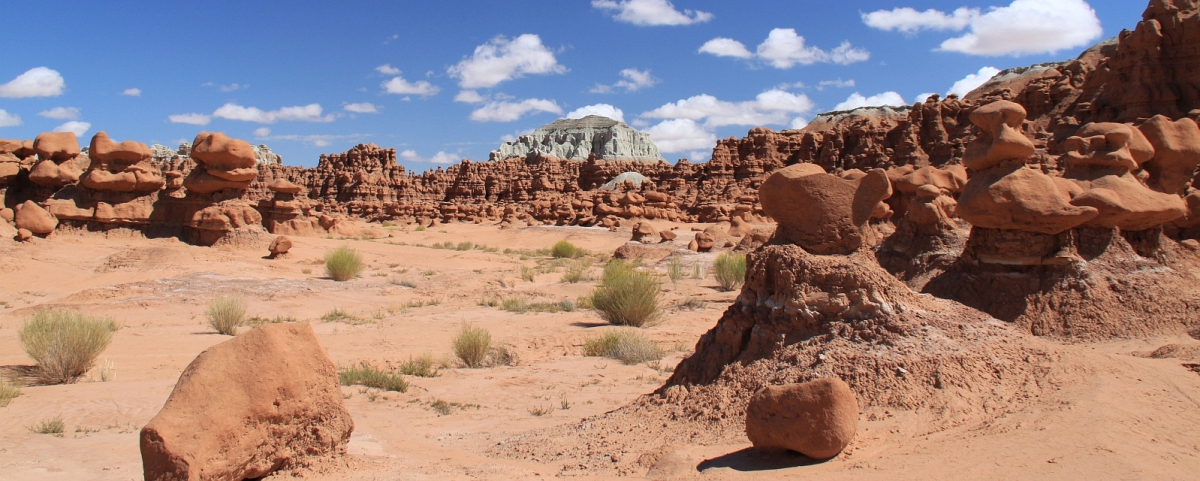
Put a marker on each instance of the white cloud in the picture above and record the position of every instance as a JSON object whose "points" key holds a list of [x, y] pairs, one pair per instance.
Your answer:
{"points": [[262, 132], [504, 111], [726, 47], [908, 20], [679, 135], [132, 92], [397, 85], [9, 120], [305, 113], [1023, 27], [36, 82], [647, 13], [856, 100], [77, 127], [923, 97], [194, 119], [502, 59], [362, 108], [771, 107], [632, 81], [469, 97], [61, 113], [316, 140], [798, 123], [231, 87], [971, 81], [784, 49], [387, 69], [438, 158], [839, 83], [604, 110]]}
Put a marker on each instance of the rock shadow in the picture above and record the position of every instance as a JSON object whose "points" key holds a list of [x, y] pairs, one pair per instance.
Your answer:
{"points": [[750, 459]]}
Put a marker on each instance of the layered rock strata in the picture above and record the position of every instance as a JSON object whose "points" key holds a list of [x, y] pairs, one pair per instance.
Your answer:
{"points": [[576, 139]]}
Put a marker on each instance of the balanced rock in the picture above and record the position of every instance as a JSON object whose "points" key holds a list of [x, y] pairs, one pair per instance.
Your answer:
{"points": [[56, 153], [222, 163], [262, 401], [35, 219], [122, 167], [823, 213], [283, 186], [817, 418], [998, 140], [281, 245], [642, 231]]}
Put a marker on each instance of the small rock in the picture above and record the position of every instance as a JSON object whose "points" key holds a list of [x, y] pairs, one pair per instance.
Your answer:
{"points": [[34, 218], [281, 245], [817, 419], [24, 235]]}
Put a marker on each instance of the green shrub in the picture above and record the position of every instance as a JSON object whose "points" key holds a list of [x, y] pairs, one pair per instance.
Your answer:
{"points": [[65, 343], [471, 346], [8, 392], [420, 228], [53, 426], [730, 270], [464, 246], [675, 269], [226, 312], [566, 250], [576, 271], [626, 345], [370, 376], [627, 297], [528, 274], [343, 264], [514, 304], [424, 366]]}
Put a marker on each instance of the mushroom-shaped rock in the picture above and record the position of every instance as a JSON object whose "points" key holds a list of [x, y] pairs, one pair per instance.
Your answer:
{"points": [[284, 186], [56, 146], [998, 139], [1176, 152], [1017, 197], [946, 180], [225, 159], [35, 219], [823, 213], [281, 245], [9, 162], [817, 419], [246, 407], [122, 167], [642, 231], [1107, 144]]}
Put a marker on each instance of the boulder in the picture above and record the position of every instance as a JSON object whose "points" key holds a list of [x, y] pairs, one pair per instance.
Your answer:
{"points": [[704, 242], [56, 146], [817, 418], [823, 213], [1176, 152], [265, 400], [667, 235], [283, 186], [998, 139], [281, 245], [24, 235], [642, 231], [121, 167], [649, 254], [35, 219]]}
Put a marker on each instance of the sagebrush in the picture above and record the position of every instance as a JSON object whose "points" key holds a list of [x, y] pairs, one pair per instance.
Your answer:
{"points": [[343, 264], [65, 343], [626, 296], [226, 312], [730, 270], [626, 345]]}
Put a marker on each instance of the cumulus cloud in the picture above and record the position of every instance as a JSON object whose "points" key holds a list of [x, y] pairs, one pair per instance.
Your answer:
{"points": [[784, 49], [857, 100], [632, 81], [262, 132], [1024, 27], [35, 82], [839, 83], [61, 113], [362, 108], [502, 59], [604, 110], [135, 92], [681, 135], [771, 107], [648, 13], [438, 158], [232, 87], [505, 111], [397, 85], [303, 113], [971, 81], [798, 123], [193, 119], [387, 69], [469, 97], [74, 126], [923, 97], [9, 120]]}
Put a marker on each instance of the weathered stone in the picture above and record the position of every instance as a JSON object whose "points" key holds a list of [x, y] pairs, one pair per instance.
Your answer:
{"points": [[817, 418], [34, 218], [576, 139]]}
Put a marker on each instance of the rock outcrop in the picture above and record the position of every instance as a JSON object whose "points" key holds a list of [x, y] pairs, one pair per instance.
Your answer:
{"points": [[263, 401], [576, 139]]}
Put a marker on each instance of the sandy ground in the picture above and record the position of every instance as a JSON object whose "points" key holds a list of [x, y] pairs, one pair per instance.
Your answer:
{"points": [[1115, 413]]}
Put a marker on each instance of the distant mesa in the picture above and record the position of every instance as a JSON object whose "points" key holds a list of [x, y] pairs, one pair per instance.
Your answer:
{"points": [[576, 139]]}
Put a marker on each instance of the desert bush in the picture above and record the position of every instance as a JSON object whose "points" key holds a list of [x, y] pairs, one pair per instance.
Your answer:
{"points": [[370, 376], [226, 312], [528, 274], [576, 271], [65, 343], [471, 345], [464, 246], [343, 264], [566, 250], [626, 345], [8, 392], [627, 297], [514, 304], [730, 270], [674, 269], [54, 426], [424, 366]]}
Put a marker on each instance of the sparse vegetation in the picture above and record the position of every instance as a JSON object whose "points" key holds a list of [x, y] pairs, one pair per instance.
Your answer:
{"points": [[343, 264], [520, 305], [697, 273], [528, 274], [306, 271], [566, 250], [472, 345], [65, 343], [257, 321], [420, 228], [424, 366], [576, 271], [464, 246], [54, 426], [692, 304], [730, 270], [540, 410], [627, 297], [8, 392], [397, 281], [337, 314], [674, 269], [226, 312], [370, 376], [626, 345]]}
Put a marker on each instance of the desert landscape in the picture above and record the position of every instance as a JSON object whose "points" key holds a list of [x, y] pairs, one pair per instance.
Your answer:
{"points": [[1002, 285]]}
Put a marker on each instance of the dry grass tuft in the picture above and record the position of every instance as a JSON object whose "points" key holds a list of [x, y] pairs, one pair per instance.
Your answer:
{"points": [[343, 264], [627, 297], [472, 345], [65, 344], [370, 376], [730, 270], [626, 345], [226, 312]]}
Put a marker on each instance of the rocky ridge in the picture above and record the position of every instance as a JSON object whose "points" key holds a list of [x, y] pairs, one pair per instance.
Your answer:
{"points": [[577, 139]]}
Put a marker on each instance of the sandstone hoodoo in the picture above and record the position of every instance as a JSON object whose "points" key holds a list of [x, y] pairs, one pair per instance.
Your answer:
{"points": [[817, 418], [577, 139], [266, 400]]}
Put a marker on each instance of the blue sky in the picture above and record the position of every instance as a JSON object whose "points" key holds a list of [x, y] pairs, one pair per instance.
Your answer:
{"points": [[440, 81]]}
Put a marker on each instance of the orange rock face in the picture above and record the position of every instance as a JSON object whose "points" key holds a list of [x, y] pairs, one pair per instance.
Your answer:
{"points": [[817, 418], [823, 213]]}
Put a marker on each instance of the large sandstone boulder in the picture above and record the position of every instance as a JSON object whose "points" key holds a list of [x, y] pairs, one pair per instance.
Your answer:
{"points": [[35, 219], [1176, 152], [817, 419], [265, 400], [222, 163], [56, 153], [122, 167], [56, 146], [823, 213]]}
